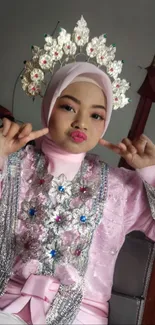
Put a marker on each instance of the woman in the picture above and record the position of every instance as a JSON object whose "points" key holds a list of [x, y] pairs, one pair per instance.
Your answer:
{"points": [[67, 211]]}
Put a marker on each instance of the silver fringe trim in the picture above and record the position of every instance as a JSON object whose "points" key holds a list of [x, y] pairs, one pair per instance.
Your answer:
{"points": [[150, 190], [8, 217], [65, 306]]}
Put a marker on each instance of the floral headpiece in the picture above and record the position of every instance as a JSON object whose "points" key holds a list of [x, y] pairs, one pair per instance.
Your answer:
{"points": [[68, 48]]}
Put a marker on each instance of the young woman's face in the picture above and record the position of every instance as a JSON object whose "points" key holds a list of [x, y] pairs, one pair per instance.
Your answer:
{"points": [[78, 117]]}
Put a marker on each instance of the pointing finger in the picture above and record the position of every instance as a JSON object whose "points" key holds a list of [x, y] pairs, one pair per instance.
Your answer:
{"points": [[107, 144], [35, 135]]}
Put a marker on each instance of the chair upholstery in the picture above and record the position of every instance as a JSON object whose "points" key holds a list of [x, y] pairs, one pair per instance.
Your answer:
{"points": [[125, 310], [131, 280]]}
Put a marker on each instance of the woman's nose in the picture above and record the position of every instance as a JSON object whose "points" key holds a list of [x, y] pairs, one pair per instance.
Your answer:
{"points": [[81, 123]]}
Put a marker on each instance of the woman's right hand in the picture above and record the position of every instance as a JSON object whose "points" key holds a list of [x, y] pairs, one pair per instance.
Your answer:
{"points": [[13, 136]]}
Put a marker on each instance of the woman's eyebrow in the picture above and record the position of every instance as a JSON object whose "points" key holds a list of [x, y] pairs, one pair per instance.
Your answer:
{"points": [[77, 101], [99, 106]]}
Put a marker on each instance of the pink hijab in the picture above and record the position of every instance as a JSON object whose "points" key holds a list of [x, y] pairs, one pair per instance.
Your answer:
{"points": [[60, 160], [64, 76]]}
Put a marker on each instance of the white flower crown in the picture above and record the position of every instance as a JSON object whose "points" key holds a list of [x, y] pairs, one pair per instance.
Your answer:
{"points": [[69, 48]]}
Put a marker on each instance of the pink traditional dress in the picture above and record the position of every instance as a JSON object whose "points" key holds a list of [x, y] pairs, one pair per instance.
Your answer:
{"points": [[60, 245], [64, 218]]}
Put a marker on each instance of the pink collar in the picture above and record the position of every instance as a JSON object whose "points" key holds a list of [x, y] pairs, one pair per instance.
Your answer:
{"points": [[60, 161]]}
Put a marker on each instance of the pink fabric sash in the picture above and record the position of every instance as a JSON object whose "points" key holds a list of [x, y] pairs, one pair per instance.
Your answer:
{"points": [[39, 291]]}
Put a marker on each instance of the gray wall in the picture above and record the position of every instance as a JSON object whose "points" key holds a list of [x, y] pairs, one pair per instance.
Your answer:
{"points": [[129, 24]]}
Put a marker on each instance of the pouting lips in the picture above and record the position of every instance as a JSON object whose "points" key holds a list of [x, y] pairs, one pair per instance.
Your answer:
{"points": [[78, 134]]}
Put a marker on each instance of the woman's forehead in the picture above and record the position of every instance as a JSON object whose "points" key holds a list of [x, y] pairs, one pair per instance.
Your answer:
{"points": [[81, 87], [84, 91]]}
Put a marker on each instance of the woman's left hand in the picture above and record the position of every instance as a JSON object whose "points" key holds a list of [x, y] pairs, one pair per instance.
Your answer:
{"points": [[138, 154]]}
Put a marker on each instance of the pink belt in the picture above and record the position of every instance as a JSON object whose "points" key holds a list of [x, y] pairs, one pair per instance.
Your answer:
{"points": [[39, 291]]}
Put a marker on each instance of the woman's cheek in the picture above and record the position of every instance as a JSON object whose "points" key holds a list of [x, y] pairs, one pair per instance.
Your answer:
{"points": [[98, 127]]}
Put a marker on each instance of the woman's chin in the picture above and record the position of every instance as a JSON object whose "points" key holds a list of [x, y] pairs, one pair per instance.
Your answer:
{"points": [[74, 148]]}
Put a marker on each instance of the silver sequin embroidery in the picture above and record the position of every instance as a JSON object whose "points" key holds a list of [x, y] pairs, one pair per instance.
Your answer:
{"points": [[57, 207], [8, 213], [150, 190]]}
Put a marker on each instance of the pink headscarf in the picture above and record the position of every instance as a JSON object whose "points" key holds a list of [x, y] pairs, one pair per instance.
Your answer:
{"points": [[64, 76], [61, 161]]}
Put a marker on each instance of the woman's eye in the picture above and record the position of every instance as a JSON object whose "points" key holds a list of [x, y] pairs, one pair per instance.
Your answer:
{"points": [[97, 117], [68, 108]]}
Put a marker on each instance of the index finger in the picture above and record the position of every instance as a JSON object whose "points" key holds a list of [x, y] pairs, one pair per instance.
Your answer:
{"points": [[36, 134], [108, 144]]}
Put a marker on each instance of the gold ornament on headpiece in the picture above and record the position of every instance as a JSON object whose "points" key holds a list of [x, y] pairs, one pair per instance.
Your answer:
{"points": [[67, 48]]}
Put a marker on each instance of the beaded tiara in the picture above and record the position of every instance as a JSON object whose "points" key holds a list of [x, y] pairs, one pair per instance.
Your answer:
{"points": [[67, 48]]}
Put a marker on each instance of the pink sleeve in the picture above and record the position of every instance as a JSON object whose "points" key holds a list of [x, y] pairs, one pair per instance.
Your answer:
{"points": [[139, 208], [147, 174]]}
